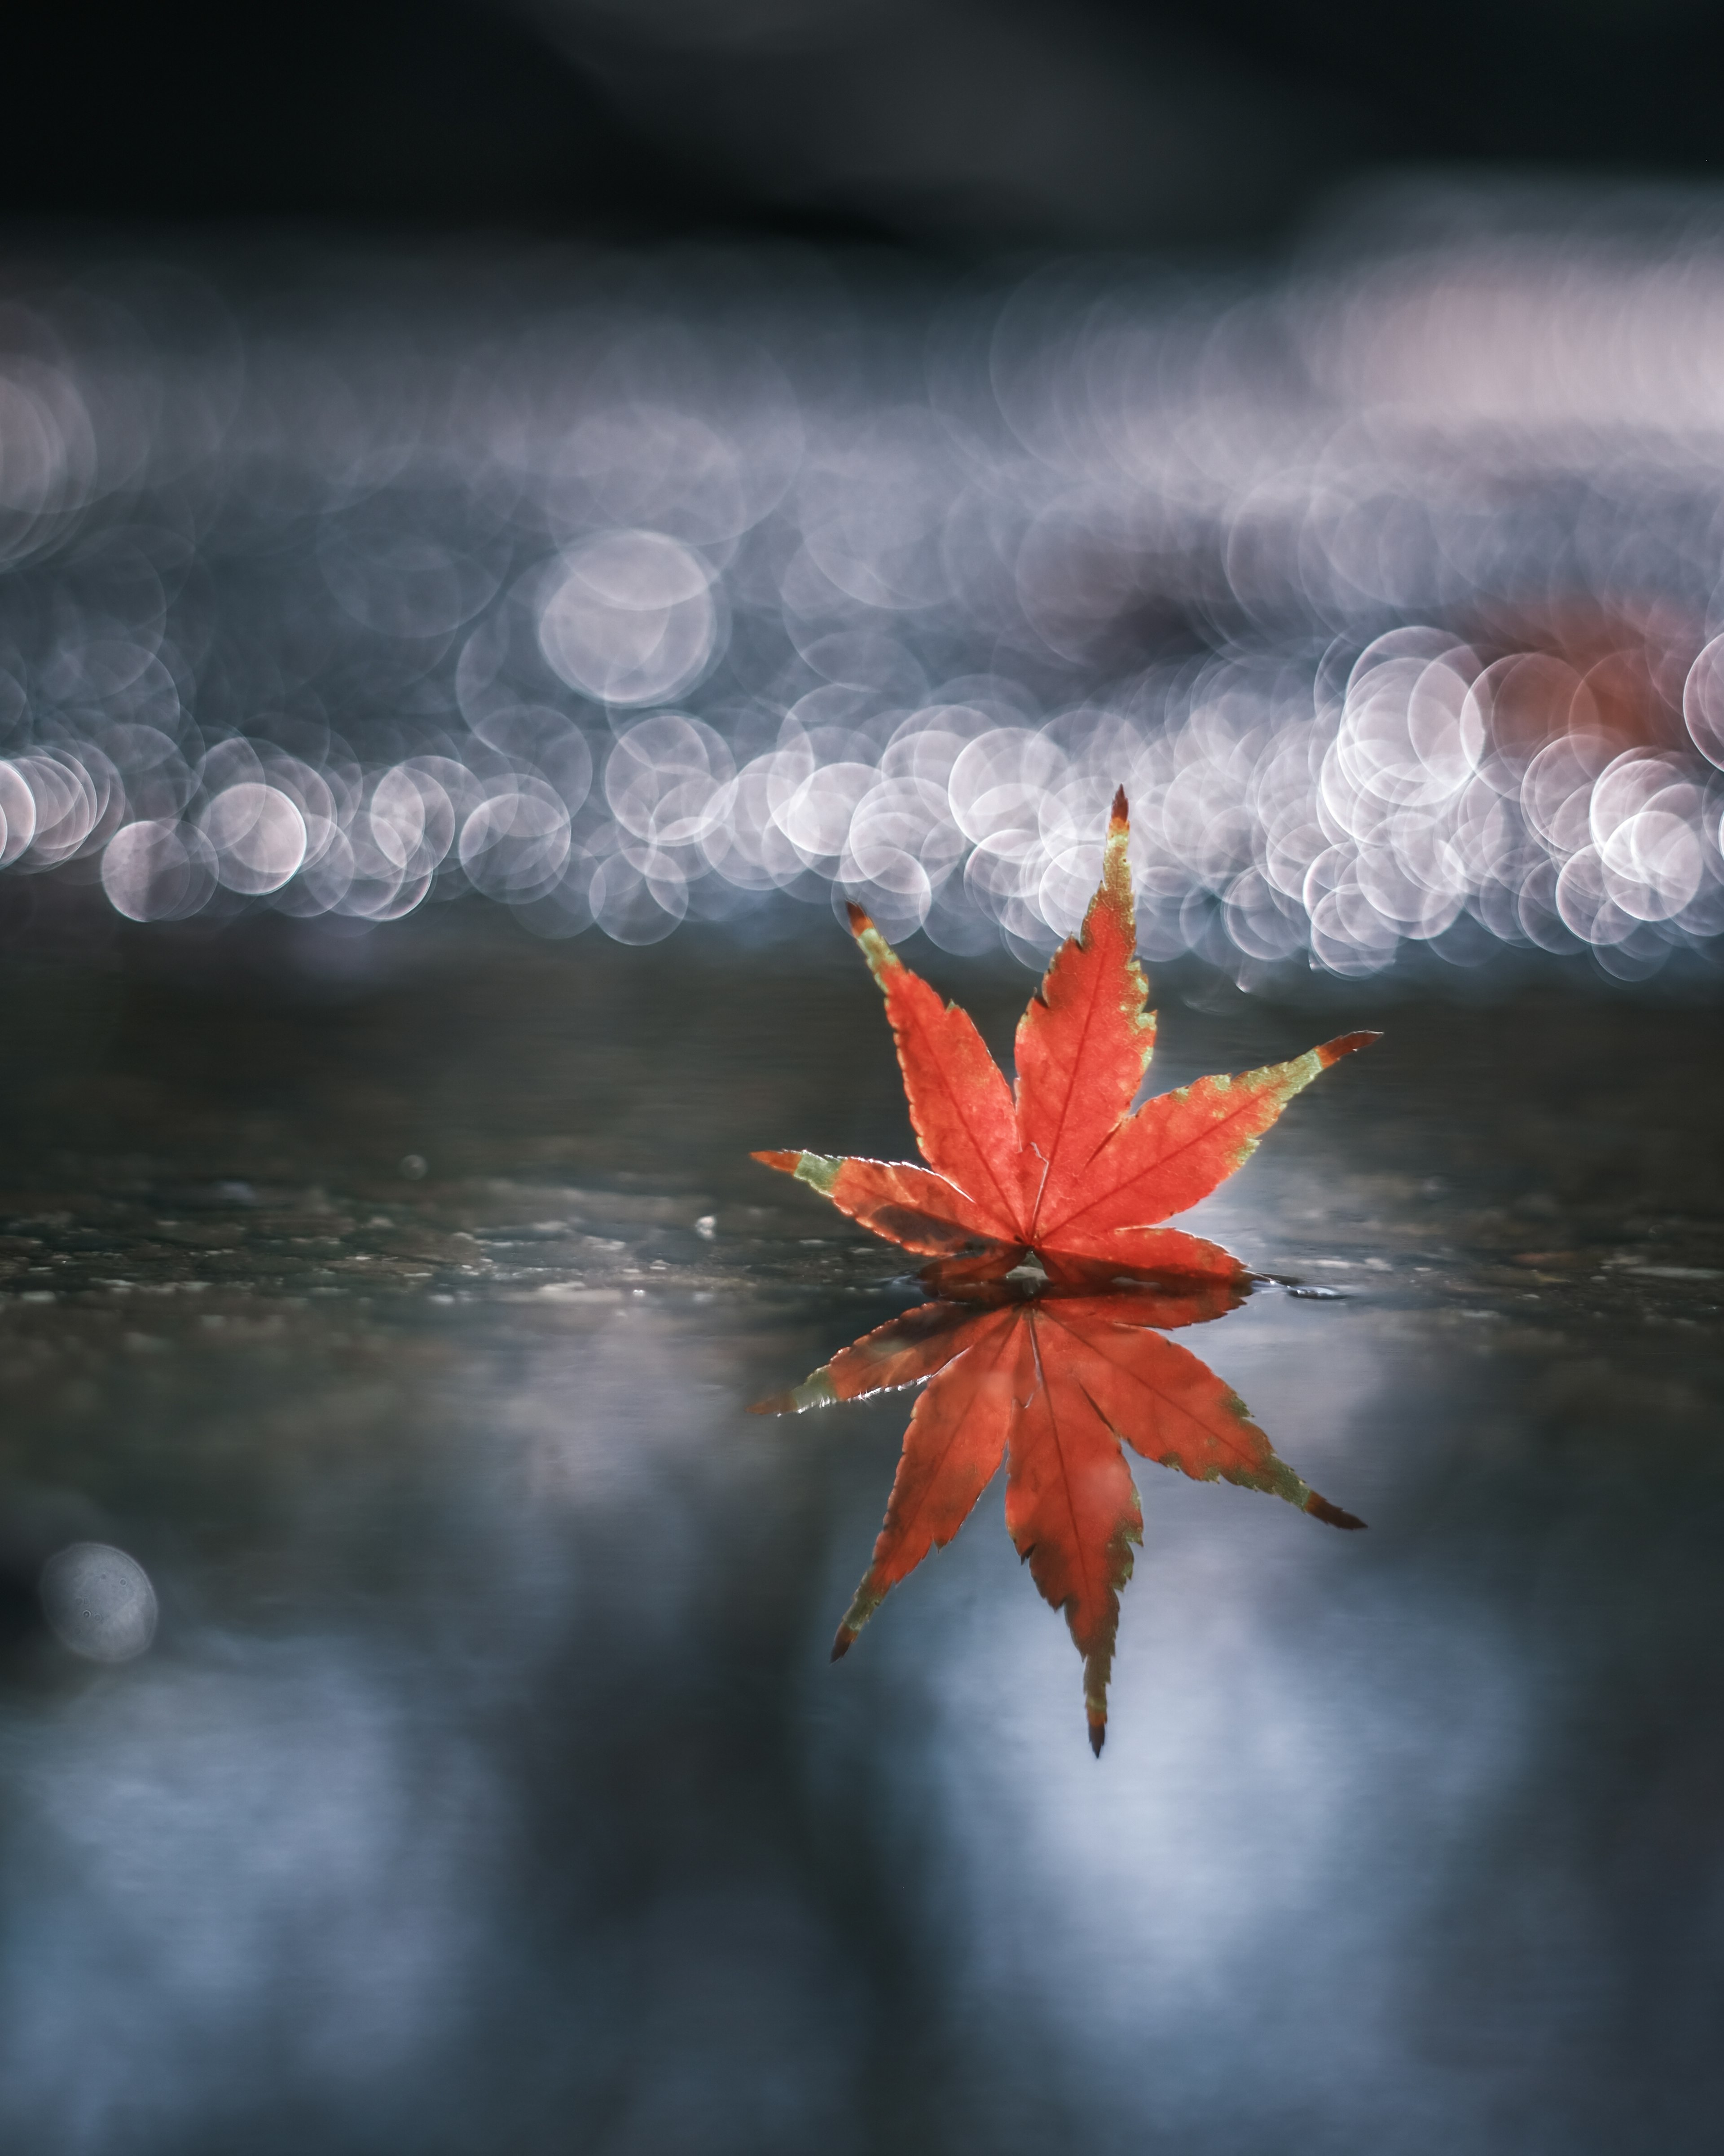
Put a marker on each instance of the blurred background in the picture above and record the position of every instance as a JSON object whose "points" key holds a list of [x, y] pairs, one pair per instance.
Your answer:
{"points": [[637, 464], [510, 515], [942, 124]]}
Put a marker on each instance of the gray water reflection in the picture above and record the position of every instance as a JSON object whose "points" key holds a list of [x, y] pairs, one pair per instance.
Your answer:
{"points": [[374, 1835], [487, 1785]]}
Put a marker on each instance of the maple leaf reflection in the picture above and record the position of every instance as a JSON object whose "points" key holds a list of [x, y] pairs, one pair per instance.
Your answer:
{"points": [[1053, 1377]]}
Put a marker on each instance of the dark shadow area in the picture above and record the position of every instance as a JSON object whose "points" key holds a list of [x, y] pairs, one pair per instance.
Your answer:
{"points": [[955, 124], [382, 111]]}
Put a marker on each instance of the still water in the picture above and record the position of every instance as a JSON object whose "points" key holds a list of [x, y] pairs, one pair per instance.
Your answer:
{"points": [[396, 1303]]}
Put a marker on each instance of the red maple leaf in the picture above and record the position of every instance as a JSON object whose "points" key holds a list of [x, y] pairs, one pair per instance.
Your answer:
{"points": [[1052, 1383], [1061, 1166]]}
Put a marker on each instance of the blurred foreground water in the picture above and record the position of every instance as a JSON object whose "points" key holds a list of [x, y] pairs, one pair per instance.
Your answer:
{"points": [[395, 1302]]}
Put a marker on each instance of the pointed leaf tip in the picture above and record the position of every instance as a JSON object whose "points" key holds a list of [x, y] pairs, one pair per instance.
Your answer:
{"points": [[1346, 1043], [785, 1162], [843, 1643], [860, 922], [1320, 1508], [1120, 818], [1098, 1736]]}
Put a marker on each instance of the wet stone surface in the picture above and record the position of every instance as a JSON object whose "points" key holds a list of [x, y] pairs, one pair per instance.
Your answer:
{"points": [[395, 1304]]}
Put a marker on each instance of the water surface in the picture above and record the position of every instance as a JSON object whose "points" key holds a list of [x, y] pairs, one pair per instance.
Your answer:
{"points": [[396, 1303]]}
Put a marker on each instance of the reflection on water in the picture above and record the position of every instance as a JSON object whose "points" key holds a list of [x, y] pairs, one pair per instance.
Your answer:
{"points": [[1053, 1383], [487, 1783], [249, 1861]]}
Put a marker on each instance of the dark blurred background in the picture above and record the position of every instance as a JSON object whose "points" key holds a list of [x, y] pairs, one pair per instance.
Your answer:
{"points": [[943, 123]]}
